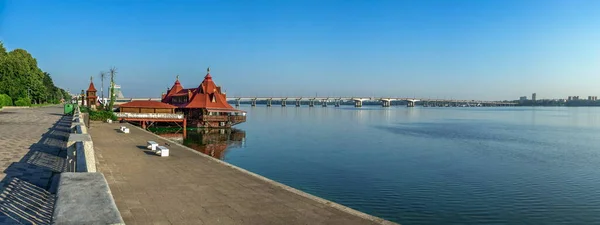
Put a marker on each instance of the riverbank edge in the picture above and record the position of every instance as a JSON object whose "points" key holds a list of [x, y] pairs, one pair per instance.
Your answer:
{"points": [[283, 186]]}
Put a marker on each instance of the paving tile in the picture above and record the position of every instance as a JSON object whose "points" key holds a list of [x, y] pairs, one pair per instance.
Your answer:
{"points": [[32, 147]]}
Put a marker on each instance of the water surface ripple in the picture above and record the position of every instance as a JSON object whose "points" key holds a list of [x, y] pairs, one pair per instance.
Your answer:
{"points": [[434, 165]]}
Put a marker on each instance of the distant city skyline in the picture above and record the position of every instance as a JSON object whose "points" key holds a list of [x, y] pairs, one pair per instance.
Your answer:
{"points": [[485, 50]]}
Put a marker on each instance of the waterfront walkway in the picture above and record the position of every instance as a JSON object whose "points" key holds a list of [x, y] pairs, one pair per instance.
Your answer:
{"points": [[32, 151], [188, 188]]}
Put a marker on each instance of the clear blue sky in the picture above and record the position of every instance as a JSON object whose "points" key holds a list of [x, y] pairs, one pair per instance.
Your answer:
{"points": [[479, 49]]}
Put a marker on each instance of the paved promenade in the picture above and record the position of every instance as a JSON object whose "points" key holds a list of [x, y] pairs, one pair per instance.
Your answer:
{"points": [[187, 188], [32, 151]]}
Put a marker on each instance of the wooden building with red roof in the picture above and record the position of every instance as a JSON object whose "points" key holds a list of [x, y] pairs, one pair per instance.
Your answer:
{"points": [[205, 105], [147, 113], [91, 95], [146, 107]]}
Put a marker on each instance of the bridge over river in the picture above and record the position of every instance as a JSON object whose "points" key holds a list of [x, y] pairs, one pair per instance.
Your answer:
{"points": [[357, 101]]}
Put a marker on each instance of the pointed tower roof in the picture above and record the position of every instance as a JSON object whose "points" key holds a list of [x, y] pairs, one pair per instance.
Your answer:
{"points": [[91, 87], [176, 87], [209, 96], [207, 86], [208, 77]]}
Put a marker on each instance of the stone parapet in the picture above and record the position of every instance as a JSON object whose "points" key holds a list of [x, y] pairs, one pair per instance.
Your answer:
{"points": [[80, 148], [85, 198]]}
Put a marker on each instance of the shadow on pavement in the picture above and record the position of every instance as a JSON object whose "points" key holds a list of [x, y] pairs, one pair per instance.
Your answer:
{"points": [[25, 196]]}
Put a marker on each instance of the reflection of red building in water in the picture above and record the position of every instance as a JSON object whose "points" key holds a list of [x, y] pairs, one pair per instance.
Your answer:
{"points": [[204, 106], [213, 142]]}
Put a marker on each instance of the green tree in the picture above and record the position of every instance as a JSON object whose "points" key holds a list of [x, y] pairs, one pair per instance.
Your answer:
{"points": [[2, 49], [5, 100], [22, 79], [65, 95], [51, 90], [112, 72], [23, 102]]}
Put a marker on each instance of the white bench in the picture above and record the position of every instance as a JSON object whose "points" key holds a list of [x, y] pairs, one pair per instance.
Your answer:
{"points": [[122, 128], [163, 151], [152, 145], [126, 130]]}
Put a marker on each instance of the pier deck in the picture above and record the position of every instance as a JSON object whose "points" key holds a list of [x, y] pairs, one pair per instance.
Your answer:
{"points": [[188, 188]]}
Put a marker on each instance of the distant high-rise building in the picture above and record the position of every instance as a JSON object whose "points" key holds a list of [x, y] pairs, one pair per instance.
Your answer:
{"points": [[522, 99], [573, 98], [533, 97], [592, 98], [118, 93]]}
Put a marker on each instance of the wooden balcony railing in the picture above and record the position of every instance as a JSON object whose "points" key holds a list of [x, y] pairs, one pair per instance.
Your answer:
{"points": [[237, 119], [207, 118], [232, 119]]}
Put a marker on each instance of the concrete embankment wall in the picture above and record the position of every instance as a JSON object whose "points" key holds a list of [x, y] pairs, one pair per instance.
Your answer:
{"points": [[83, 195]]}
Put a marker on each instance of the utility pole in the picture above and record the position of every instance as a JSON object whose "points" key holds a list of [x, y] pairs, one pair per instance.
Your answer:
{"points": [[102, 76]]}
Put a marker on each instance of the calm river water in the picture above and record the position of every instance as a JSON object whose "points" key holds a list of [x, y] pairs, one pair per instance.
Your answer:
{"points": [[512, 165]]}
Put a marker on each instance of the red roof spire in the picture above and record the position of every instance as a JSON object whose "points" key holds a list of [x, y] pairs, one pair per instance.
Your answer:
{"points": [[208, 77], [176, 87], [177, 81], [91, 88]]}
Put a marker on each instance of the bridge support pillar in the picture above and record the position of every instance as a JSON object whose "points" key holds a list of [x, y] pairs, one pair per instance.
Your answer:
{"points": [[269, 102], [253, 102], [237, 102], [337, 103], [324, 103], [357, 103], [283, 102], [410, 104], [311, 103], [297, 102], [385, 103]]}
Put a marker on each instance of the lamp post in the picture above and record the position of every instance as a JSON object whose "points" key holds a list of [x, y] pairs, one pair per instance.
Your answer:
{"points": [[82, 98]]}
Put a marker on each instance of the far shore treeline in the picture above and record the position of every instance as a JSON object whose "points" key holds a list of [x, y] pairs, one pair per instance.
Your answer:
{"points": [[23, 83]]}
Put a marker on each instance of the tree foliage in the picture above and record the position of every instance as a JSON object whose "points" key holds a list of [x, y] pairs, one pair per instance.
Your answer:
{"points": [[23, 102], [5, 100], [22, 79], [112, 72]]}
